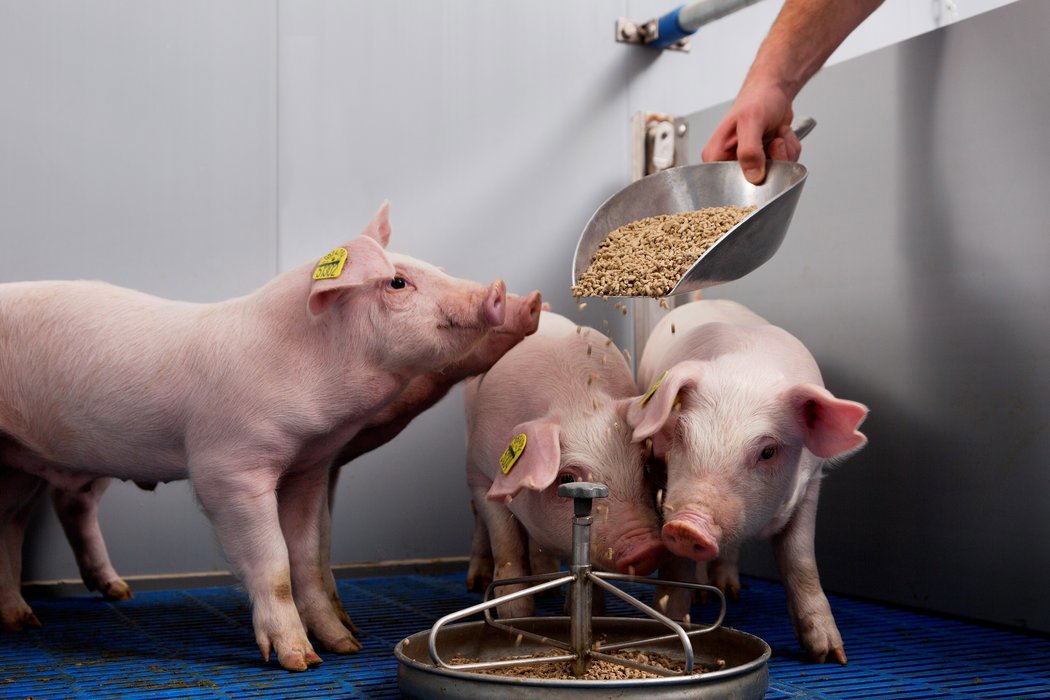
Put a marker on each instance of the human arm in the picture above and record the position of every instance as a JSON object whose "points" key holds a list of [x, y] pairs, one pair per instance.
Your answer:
{"points": [[802, 37]]}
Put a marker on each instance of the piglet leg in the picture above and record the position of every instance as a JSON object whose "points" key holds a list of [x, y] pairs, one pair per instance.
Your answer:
{"points": [[725, 572], [303, 506], [78, 513], [242, 503], [509, 551], [331, 591], [809, 608], [675, 601], [479, 573], [18, 492]]}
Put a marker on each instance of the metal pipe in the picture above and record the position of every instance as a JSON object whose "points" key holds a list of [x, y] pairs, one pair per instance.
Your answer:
{"points": [[686, 19], [699, 12]]}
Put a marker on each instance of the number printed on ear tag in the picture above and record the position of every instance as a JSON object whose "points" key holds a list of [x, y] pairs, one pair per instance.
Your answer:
{"points": [[331, 265], [511, 454]]}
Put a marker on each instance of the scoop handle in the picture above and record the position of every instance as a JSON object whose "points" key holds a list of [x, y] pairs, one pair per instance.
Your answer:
{"points": [[804, 126]]}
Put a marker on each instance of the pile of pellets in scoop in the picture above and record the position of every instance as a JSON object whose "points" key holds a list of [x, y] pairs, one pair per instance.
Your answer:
{"points": [[597, 670], [647, 258]]}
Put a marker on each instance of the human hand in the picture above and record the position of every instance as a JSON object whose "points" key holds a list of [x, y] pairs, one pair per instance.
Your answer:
{"points": [[758, 124]]}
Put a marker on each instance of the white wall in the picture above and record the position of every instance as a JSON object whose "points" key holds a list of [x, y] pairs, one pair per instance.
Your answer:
{"points": [[224, 141], [138, 145]]}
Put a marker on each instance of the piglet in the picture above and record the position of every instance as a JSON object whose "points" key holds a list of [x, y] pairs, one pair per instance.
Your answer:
{"points": [[737, 409], [551, 411], [251, 399]]}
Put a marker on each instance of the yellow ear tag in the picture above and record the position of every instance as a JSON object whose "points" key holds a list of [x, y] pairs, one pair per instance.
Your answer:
{"points": [[653, 388], [331, 265], [511, 454]]}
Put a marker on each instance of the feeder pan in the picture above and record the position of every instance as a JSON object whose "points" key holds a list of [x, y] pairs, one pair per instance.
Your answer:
{"points": [[718, 662]]}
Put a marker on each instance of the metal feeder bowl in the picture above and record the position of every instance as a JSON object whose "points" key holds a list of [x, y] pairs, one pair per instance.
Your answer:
{"points": [[739, 660]]}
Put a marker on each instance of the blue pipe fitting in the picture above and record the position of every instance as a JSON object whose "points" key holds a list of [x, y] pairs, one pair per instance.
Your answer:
{"points": [[669, 30]]}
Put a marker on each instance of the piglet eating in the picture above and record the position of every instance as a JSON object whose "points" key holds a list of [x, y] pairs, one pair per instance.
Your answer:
{"points": [[737, 409], [551, 411]]}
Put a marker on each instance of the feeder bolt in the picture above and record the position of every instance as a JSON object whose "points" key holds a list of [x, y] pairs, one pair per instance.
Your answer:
{"points": [[582, 493]]}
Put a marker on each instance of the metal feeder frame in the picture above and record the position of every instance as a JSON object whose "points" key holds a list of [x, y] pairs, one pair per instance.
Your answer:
{"points": [[581, 579]]}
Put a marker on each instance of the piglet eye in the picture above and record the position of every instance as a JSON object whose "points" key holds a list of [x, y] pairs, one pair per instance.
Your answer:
{"points": [[398, 283], [768, 453]]}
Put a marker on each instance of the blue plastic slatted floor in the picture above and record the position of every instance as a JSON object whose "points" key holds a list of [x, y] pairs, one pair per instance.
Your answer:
{"points": [[199, 644]]}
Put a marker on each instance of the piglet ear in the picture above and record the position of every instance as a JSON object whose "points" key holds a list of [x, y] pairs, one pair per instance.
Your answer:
{"points": [[829, 424], [650, 412], [358, 262], [378, 228], [537, 463]]}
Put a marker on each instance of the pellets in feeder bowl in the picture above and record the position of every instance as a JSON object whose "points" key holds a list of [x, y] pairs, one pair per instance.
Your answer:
{"points": [[649, 256], [597, 670]]}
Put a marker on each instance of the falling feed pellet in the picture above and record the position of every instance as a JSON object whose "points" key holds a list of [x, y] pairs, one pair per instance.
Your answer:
{"points": [[647, 258]]}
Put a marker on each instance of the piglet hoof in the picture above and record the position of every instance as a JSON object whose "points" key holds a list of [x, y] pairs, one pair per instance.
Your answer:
{"points": [[298, 659], [838, 655], [115, 590], [347, 622], [292, 657], [16, 615], [20, 622], [823, 644], [344, 645], [340, 612]]}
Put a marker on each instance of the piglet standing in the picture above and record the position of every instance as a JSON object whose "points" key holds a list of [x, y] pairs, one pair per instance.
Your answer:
{"points": [[77, 511], [250, 399], [553, 410], [737, 409]]}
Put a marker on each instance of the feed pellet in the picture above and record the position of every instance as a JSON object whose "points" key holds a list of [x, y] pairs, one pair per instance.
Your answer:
{"points": [[598, 670], [648, 257]]}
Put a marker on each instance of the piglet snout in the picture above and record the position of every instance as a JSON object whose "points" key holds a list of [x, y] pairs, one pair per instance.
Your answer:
{"points": [[494, 309], [639, 556], [692, 537]]}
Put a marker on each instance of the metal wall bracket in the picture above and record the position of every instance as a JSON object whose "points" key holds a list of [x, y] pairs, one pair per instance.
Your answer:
{"points": [[631, 32], [658, 141]]}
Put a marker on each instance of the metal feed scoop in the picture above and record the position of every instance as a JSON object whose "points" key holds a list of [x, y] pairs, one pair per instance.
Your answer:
{"points": [[740, 250]]}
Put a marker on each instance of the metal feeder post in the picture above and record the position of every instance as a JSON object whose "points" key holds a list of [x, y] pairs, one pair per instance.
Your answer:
{"points": [[580, 591]]}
